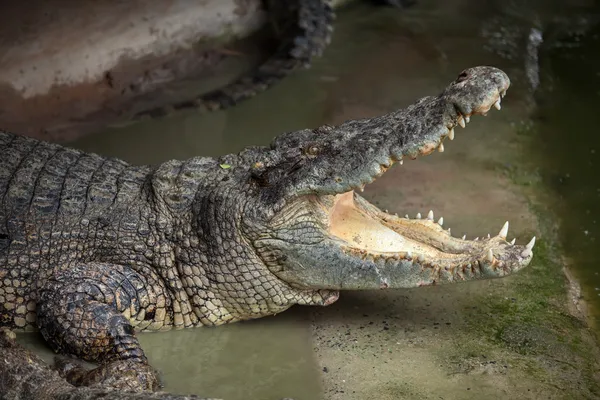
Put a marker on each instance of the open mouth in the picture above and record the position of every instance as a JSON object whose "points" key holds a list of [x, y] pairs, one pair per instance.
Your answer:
{"points": [[369, 233]]}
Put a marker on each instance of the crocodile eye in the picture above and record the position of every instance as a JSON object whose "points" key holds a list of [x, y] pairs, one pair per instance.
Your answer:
{"points": [[312, 150]]}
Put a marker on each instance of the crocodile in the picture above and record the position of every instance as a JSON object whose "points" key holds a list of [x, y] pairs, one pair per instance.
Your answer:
{"points": [[93, 249], [304, 29]]}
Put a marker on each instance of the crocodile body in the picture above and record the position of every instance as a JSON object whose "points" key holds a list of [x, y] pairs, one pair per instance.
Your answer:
{"points": [[304, 30], [93, 249]]}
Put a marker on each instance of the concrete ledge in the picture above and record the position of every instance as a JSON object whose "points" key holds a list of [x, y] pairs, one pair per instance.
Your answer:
{"points": [[64, 42], [67, 68]]}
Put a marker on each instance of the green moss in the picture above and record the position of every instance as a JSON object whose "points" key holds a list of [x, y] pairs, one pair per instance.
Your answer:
{"points": [[525, 322]]}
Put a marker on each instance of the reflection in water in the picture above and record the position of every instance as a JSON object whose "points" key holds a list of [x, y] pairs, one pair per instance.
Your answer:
{"points": [[270, 359], [381, 60]]}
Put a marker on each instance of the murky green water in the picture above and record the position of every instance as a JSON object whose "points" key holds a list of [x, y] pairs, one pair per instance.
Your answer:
{"points": [[568, 120], [381, 59]]}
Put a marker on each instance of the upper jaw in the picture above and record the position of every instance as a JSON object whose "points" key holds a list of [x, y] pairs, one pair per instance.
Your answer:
{"points": [[422, 128]]}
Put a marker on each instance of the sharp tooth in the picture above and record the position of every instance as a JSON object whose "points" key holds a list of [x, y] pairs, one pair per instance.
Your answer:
{"points": [[421, 258], [504, 231], [512, 242], [395, 214], [490, 255], [418, 215], [531, 243], [497, 104], [449, 231], [489, 236], [362, 188], [386, 211], [430, 215], [467, 119], [464, 237], [441, 148], [408, 254], [451, 134], [461, 122], [476, 239], [406, 216], [401, 162], [441, 221]]}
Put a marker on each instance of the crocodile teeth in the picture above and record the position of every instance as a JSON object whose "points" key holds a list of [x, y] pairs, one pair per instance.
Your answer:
{"points": [[504, 231], [430, 215], [489, 236], [418, 215], [406, 216], [449, 231], [441, 148], [531, 243], [476, 239], [527, 252], [497, 104], [512, 242], [461, 122], [441, 221], [467, 119], [451, 134], [401, 162], [490, 255], [464, 237], [408, 254]]}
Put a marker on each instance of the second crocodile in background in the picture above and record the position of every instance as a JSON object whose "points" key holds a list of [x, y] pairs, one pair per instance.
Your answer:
{"points": [[93, 249]]}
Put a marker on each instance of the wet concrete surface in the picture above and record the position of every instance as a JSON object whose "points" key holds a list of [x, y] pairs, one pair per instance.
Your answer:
{"points": [[67, 68], [507, 338]]}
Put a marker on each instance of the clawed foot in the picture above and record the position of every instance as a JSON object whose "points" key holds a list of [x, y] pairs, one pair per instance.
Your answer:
{"points": [[124, 375]]}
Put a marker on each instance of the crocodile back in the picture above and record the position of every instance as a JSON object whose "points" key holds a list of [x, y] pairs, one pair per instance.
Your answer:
{"points": [[51, 198]]}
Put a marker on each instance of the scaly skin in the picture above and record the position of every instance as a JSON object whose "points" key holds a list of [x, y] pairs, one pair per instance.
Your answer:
{"points": [[25, 376], [93, 249]]}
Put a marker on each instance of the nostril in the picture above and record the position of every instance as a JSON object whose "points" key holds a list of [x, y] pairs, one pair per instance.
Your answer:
{"points": [[463, 75]]}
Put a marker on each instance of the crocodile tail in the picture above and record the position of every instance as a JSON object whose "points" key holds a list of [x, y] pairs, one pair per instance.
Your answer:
{"points": [[306, 34]]}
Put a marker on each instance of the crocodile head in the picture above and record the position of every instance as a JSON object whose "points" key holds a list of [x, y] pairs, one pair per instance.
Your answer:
{"points": [[318, 233]]}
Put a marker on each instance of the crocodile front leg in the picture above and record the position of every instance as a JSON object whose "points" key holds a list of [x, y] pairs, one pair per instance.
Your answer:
{"points": [[90, 312]]}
